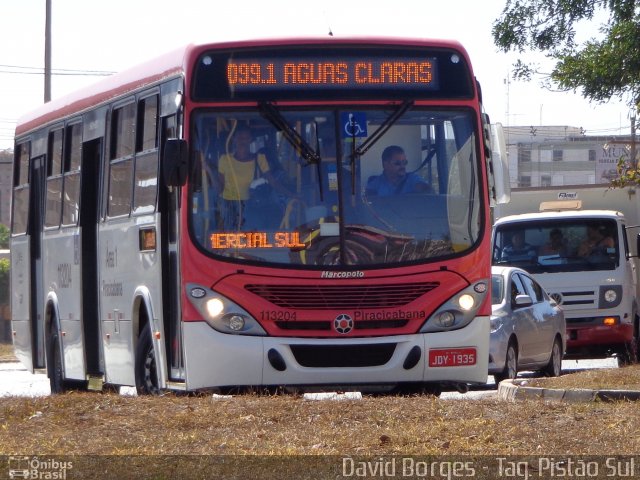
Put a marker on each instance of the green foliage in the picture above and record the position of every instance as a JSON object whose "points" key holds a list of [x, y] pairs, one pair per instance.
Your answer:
{"points": [[628, 175], [601, 68], [4, 236]]}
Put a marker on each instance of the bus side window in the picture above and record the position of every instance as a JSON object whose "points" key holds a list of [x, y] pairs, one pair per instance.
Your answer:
{"points": [[71, 169], [53, 204], [146, 166], [20, 203], [122, 149]]}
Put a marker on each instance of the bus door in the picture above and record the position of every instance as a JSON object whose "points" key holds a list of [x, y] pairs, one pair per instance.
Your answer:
{"points": [[36, 201], [89, 214]]}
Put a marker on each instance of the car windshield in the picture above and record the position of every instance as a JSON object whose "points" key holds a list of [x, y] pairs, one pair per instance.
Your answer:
{"points": [[311, 187], [558, 245]]}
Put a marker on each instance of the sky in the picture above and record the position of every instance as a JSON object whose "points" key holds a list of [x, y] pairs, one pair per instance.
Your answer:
{"points": [[89, 38]]}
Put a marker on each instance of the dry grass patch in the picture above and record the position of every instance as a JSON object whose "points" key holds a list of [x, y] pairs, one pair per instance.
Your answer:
{"points": [[87, 423], [6, 353], [625, 378]]}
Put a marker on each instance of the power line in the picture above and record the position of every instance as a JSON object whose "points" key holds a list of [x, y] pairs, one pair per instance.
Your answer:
{"points": [[22, 70]]}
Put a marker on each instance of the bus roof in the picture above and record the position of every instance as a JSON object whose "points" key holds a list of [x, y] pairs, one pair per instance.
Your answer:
{"points": [[175, 63]]}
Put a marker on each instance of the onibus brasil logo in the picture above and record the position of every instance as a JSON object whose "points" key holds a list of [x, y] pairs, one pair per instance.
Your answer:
{"points": [[38, 468]]}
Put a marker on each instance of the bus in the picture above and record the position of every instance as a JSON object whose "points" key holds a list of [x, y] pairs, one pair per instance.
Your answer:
{"points": [[202, 221]]}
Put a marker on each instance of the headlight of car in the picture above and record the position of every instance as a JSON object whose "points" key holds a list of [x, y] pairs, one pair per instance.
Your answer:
{"points": [[221, 313], [458, 311]]}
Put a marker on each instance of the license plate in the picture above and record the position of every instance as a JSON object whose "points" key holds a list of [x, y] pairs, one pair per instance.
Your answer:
{"points": [[452, 357]]}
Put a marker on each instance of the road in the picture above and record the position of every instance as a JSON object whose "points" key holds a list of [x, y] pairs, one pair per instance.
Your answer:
{"points": [[16, 381]]}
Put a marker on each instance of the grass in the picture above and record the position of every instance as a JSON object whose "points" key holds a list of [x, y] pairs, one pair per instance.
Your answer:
{"points": [[626, 378], [6, 352], [84, 423], [108, 424]]}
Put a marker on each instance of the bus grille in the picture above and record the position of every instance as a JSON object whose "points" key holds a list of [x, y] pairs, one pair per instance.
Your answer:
{"points": [[326, 325], [341, 297], [345, 356]]}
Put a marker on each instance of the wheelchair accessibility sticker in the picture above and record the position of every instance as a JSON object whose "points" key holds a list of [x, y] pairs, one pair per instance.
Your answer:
{"points": [[354, 124]]}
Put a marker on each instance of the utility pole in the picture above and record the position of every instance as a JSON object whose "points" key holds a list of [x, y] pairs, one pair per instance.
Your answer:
{"points": [[632, 150], [47, 52]]}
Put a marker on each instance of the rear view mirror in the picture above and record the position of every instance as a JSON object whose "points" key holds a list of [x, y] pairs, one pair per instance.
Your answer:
{"points": [[175, 162]]}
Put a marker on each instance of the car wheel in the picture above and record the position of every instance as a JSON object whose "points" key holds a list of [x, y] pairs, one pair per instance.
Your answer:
{"points": [[510, 364], [146, 371], [554, 367]]}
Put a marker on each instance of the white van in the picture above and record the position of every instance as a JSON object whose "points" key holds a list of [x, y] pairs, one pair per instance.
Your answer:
{"points": [[582, 259]]}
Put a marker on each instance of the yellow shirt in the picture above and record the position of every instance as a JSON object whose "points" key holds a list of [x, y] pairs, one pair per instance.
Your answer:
{"points": [[239, 175]]}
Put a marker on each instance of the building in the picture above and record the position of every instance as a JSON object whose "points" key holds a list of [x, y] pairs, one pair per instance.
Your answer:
{"points": [[542, 156]]}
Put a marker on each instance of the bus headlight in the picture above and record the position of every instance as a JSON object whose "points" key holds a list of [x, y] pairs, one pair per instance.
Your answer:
{"points": [[235, 322], [222, 314], [214, 307], [458, 311], [466, 302], [446, 319]]}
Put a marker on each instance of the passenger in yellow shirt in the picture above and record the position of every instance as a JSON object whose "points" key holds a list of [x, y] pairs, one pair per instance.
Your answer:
{"points": [[237, 170]]}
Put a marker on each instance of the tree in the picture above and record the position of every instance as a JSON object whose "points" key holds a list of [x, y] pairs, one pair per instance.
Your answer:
{"points": [[4, 236], [602, 68]]}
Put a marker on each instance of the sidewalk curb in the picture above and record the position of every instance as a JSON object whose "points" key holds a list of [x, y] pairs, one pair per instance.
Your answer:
{"points": [[512, 390]]}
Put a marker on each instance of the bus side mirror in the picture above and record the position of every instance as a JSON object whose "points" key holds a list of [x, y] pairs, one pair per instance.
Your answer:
{"points": [[175, 162]]}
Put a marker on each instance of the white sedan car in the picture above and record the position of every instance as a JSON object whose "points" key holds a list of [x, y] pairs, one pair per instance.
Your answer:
{"points": [[528, 330]]}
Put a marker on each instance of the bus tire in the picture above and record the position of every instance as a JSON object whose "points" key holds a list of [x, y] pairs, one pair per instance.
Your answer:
{"points": [[55, 370], [146, 372]]}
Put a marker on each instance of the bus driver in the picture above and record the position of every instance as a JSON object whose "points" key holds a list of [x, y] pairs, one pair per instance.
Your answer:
{"points": [[394, 178]]}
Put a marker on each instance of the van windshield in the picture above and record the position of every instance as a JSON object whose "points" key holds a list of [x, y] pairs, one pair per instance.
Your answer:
{"points": [[558, 245]]}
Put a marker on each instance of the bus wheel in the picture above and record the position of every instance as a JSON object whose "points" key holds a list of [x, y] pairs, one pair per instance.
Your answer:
{"points": [[146, 372], [54, 367]]}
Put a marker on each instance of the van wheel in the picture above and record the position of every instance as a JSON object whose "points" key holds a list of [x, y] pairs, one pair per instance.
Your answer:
{"points": [[554, 367], [628, 353], [146, 372], [510, 364]]}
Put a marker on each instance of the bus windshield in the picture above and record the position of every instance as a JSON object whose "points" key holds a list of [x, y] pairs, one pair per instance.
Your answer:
{"points": [[367, 187]]}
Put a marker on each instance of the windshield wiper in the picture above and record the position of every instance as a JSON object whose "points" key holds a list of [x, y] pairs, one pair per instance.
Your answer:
{"points": [[271, 113], [382, 129]]}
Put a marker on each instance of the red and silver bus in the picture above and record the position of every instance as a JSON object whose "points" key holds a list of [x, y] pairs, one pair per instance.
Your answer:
{"points": [[153, 247]]}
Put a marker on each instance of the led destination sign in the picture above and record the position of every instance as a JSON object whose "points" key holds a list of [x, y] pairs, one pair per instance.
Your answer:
{"points": [[322, 72], [256, 240], [278, 73]]}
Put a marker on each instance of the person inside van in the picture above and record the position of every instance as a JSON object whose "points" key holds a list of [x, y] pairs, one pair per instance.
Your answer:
{"points": [[598, 242]]}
